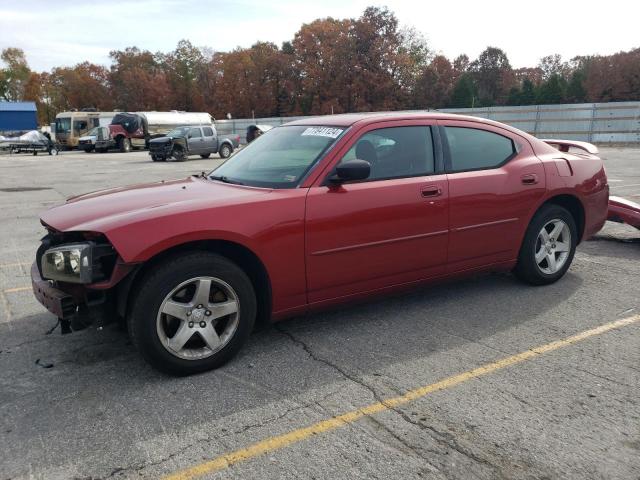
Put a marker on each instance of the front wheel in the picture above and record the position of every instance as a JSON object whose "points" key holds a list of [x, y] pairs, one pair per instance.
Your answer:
{"points": [[193, 313], [178, 154], [225, 151], [548, 247]]}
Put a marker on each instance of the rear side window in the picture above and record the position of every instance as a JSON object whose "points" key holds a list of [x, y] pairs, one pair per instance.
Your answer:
{"points": [[473, 149], [395, 152], [194, 133], [208, 131]]}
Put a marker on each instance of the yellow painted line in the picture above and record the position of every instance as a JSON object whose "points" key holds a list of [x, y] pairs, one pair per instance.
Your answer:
{"points": [[281, 441], [17, 289]]}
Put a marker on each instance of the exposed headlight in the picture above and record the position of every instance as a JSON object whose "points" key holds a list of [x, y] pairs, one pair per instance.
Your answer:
{"points": [[69, 263]]}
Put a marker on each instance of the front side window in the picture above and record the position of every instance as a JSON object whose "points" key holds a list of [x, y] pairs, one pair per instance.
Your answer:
{"points": [[395, 152], [474, 149], [194, 133], [280, 158]]}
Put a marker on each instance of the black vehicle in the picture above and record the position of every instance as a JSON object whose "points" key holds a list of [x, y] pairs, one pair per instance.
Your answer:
{"points": [[184, 141]]}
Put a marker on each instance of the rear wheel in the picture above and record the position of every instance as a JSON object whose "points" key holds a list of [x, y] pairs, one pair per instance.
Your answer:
{"points": [[192, 313], [124, 145], [225, 151], [548, 247]]}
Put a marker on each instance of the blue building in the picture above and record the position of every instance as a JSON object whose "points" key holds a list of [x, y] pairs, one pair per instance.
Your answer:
{"points": [[18, 116]]}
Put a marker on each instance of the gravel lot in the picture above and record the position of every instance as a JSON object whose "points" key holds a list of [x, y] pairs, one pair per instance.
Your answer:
{"points": [[100, 412]]}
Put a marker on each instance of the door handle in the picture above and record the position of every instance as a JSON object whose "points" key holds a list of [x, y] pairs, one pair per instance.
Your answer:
{"points": [[431, 191], [529, 179]]}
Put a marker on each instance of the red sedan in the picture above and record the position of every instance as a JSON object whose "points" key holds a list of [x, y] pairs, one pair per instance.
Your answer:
{"points": [[312, 214]]}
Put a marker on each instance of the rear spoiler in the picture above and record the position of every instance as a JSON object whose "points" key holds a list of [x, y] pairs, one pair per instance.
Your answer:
{"points": [[564, 145]]}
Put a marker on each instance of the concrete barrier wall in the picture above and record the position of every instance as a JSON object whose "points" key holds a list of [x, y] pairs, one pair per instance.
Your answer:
{"points": [[614, 122]]}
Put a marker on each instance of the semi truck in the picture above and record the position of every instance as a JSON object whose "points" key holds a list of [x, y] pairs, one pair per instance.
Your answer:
{"points": [[129, 130], [70, 126]]}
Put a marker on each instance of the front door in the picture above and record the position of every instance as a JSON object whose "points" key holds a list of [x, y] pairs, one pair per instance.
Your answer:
{"points": [[196, 141], [389, 229]]}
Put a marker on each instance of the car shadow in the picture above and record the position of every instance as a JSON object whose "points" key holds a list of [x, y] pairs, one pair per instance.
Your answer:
{"points": [[103, 371]]}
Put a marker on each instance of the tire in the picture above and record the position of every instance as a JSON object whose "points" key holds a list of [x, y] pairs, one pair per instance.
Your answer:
{"points": [[124, 145], [205, 156], [157, 158], [178, 154], [544, 260], [169, 284], [225, 150]]}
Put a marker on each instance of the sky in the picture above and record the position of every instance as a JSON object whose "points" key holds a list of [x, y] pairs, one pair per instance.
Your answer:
{"points": [[63, 33]]}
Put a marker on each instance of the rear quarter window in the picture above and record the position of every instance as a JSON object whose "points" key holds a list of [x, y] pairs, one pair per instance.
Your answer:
{"points": [[475, 149]]}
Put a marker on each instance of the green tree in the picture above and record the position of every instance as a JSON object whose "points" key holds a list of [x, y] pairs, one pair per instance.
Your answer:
{"points": [[514, 97], [183, 67], [552, 91], [15, 75], [493, 75], [464, 92], [576, 92], [528, 93]]}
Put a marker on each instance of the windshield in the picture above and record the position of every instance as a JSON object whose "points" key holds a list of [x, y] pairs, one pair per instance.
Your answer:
{"points": [[93, 132], [178, 132], [278, 159], [63, 125]]}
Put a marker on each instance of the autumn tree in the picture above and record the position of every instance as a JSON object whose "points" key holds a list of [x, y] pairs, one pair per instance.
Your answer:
{"points": [[326, 66], [85, 85], [138, 81], [257, 81], [435, 84], [613, 78]]}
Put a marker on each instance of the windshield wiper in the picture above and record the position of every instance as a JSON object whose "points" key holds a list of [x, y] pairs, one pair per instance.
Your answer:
{"points": [[224, 179]]}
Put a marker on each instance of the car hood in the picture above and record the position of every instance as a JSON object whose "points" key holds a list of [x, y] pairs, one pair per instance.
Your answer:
{"points": [[87, 137], [164, 139], [104, 210]]}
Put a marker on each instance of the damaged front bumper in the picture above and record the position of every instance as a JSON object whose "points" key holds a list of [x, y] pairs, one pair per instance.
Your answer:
{"points": [[61, 304]]}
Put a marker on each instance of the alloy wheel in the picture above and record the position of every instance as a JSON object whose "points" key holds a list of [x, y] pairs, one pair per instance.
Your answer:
{"points": [[198, 318], [553, 246]]}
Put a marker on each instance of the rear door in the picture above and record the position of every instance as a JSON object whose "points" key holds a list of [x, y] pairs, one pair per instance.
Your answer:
{"points": [[389, 229], [209, 144], [495, 180]]}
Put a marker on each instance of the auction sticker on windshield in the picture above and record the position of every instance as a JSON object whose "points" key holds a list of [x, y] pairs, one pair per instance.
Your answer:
{"points": [[323, 132]]}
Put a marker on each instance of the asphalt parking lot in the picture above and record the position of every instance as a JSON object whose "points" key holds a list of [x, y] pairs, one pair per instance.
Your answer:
{"points": [[445, 382]]}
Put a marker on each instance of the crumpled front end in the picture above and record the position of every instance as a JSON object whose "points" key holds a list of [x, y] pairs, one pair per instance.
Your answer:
{"points": [[74, 275], [161, 147]]}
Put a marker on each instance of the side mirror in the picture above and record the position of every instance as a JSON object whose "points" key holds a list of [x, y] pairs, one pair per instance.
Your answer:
{"points": [[351, 170]]}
